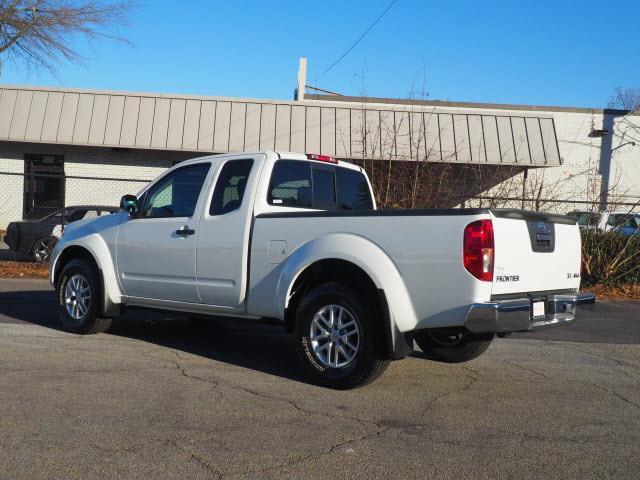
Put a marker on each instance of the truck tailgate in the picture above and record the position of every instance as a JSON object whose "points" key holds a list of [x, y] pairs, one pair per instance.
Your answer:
{"points": [[535, 252]]}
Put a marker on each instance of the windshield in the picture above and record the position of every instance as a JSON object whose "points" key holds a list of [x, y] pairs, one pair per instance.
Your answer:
{"points": [[626, 220], [70, 213], [586, 218], [56, 215], [632, 221]]}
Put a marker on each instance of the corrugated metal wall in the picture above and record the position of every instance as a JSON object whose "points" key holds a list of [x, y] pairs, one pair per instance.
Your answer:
{"points": [[401, 132]]}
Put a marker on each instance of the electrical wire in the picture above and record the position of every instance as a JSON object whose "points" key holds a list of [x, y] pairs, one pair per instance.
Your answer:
{"points": [[357, 41]]}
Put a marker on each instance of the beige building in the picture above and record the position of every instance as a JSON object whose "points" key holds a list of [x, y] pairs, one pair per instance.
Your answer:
{"points": [[69, 146]]}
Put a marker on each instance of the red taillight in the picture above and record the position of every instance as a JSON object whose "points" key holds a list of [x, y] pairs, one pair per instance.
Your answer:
{"points": [[477, 251], [321, 158]]}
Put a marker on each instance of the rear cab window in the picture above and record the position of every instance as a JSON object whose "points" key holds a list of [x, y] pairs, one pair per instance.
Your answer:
{"points": [[290, 184], [353, 190], [296, 183]]}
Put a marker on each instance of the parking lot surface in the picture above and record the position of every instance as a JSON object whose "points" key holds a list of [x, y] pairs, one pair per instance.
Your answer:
{"points": [[161, 396]]}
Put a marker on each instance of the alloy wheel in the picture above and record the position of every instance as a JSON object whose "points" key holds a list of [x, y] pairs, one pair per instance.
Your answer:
{"points": [[335, 336], [77, 297]]}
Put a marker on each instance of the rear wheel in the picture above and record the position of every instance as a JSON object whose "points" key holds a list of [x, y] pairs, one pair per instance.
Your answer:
{"points": [[335, 337], [42, 248], [79, 296], [452, 345]]}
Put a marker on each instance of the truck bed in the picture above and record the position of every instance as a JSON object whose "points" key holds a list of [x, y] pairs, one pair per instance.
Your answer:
{"points": [[425, 248]]}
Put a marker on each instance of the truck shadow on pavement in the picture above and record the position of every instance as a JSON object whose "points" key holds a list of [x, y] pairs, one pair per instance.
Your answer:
{"points": [[268, 348], [249, 344]]}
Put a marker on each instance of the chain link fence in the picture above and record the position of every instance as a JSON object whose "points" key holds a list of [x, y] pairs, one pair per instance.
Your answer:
{"points": [[551, 205], [37, 203]]}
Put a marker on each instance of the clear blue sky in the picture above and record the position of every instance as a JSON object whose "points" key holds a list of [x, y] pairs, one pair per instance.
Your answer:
{"points": [[566, 52]]}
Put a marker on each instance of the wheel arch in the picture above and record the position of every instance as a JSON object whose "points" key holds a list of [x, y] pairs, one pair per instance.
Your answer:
{"points": [[356, 262], [323, 271], [110, 294]]}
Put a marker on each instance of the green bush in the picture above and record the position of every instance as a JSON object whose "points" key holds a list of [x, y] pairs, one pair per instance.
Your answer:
{"points": [[610, 258]]}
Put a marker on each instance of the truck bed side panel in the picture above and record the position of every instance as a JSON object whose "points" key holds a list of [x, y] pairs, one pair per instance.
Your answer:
{"points": [[425, 248]]}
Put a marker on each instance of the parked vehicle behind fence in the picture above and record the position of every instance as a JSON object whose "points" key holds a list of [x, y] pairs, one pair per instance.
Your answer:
{"points": [[624, 223], [297, 239], [587, 221], [38, 237]]}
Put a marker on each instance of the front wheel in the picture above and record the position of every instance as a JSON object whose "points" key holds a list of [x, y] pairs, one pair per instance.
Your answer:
{"points": [[452, 345], [336, 337], [78, 295]]}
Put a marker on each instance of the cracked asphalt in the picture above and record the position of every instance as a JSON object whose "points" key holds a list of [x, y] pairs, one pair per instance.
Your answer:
{"points": [[160, 396]]}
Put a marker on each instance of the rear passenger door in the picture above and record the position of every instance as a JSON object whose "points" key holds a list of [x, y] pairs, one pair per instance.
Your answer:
{"points": [[223, 235]]}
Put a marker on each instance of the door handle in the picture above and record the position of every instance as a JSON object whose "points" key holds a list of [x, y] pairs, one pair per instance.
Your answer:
{"points": [[185, 231]]}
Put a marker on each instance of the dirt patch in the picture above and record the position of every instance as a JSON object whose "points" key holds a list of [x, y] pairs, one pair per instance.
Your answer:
{"points": [[23, 270], [624, 292]]}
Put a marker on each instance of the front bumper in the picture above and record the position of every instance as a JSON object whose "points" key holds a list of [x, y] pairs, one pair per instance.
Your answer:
{"points": [[506, 316]]}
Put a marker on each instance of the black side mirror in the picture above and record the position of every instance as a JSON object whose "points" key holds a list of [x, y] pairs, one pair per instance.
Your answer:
{"points": [[129, 203]]}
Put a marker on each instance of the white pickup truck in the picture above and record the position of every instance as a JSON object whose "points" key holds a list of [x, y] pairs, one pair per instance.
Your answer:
{"points": [[297, 239]]}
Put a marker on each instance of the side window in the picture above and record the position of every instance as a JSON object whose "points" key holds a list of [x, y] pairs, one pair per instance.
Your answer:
{"points": [[612, 220], [324, 188], [353, 190], [291, 184], [176, 194], [92, 214], [230, 187]]}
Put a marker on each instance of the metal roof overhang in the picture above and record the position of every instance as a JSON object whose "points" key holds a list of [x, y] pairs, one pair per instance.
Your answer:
{"points": [[217, 124]]}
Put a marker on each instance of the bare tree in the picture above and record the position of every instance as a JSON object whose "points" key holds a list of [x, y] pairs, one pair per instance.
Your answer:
{"points": [[625, 98], [40, 33]]}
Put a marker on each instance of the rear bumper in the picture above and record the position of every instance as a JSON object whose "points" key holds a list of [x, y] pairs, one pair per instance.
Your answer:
{"points": [[514, 315]]}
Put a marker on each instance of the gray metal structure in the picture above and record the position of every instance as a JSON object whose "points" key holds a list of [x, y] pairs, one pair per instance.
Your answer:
{"points": [[349, 130]]}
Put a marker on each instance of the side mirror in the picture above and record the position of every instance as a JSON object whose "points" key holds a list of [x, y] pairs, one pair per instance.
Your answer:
{"points": [[129, 203]]}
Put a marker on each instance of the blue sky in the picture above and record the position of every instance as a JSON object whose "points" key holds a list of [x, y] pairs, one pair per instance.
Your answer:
{"points": [[533, 52]]}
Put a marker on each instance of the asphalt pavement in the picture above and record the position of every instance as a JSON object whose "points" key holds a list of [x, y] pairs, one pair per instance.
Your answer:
{"points": [[164, 397]]}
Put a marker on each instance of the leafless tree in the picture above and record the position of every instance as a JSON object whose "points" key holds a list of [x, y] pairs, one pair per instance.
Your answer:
{"points": [[40, 33], [625, 98]]}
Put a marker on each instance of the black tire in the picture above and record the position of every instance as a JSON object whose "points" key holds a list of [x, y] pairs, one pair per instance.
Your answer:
{"points": [[366, 365], [90, 321], [41, 249], [452, 345]]}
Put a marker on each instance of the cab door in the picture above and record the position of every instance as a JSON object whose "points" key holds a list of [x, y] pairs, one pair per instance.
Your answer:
{"points": [[224, 233], [156, 249]]}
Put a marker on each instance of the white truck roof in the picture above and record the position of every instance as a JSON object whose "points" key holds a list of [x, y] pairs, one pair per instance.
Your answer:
{"points": [[282, 154]]}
